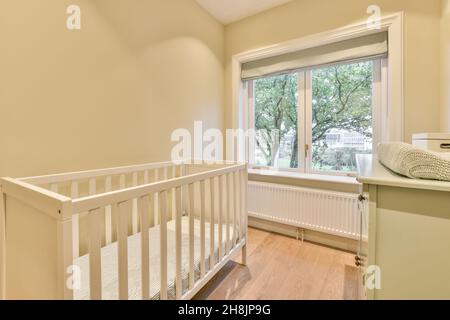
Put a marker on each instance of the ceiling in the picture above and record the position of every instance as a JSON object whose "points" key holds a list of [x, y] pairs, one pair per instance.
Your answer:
{"points": [[228, 11]]}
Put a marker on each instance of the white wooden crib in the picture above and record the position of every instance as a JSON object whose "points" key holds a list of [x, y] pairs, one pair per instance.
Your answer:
{"points": [[153, 231]]}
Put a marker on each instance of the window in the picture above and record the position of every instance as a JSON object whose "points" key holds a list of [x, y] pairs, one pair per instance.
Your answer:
{"points": [[316, 120], [276, 123]]}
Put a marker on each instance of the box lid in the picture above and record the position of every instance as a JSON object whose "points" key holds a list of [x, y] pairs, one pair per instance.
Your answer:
{"points": [[432, 136]]}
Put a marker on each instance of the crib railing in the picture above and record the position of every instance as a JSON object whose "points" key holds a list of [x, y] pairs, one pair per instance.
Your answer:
{"points": [[88, 183], [232, 177], [120, 202]]}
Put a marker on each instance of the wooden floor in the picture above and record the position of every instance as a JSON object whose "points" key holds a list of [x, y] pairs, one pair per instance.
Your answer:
{"points": [[282, 268]]}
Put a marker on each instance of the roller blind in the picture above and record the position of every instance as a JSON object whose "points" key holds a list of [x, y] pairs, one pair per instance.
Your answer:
{"points": [[373, 45]]}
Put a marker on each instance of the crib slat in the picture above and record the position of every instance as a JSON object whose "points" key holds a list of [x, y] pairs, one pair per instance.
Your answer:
{"points": [[95, 261], [244, 211], [178, 261], [122, 240], [212, 259], [163, 243], [108, 217], [156, 210], [151, 210], [75, 223], [227, 213], [145, 260], [202, 229], [180, 170], [122, 181], [174, 172], [235, 185], [74, 190], [219, 221], [54, 187], [135, 179], [92, 187], [231, 186], [146, 177], [183, 191], [134, 212], [190, 199], [173, 201], [156, 201], [238, 193], [169, 208]]}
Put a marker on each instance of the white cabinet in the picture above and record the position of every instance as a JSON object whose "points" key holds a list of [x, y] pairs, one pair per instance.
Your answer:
{"points": [[408, 247], [437, 142]]}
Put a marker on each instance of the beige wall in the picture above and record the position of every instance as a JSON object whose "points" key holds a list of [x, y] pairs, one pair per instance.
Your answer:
{"points": [[445, 66], [304, 17], [109, 94]]}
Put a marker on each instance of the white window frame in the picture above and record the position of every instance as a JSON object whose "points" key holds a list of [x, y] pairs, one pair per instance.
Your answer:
{"points": [[391, 113], [304, 116]]}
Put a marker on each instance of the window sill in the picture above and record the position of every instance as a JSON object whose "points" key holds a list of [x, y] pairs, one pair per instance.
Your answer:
{"points": [[318, 181], [304, 176]]}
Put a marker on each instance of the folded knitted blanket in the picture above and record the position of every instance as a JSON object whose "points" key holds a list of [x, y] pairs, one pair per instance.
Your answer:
{"points": [[413, 162]]}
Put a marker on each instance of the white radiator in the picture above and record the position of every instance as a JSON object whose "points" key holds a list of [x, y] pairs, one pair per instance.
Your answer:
{"points": [[329, 212]]}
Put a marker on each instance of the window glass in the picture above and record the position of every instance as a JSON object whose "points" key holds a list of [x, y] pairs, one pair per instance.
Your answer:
{"points": [[341, 116], [341, 123], [275, 99]]}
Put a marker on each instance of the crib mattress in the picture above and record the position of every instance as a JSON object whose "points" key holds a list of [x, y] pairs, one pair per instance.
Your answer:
{"points": [[109, 256]]}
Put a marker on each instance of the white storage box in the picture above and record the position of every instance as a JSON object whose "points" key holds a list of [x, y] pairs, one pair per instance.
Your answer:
{"points": [[437, 142]]}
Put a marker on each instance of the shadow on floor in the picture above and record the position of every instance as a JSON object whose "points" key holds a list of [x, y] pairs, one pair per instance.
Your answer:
{"points": [[231, 269]]}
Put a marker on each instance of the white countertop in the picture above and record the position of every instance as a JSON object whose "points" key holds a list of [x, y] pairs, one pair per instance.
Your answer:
{"points": [[371, 171]]}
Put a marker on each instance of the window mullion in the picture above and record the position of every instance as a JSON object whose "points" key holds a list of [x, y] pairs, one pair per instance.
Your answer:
{"points": [[301, 121], [308, 121]]}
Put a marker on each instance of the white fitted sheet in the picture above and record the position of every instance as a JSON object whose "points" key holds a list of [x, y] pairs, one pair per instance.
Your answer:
{"points": [[109, 258]]}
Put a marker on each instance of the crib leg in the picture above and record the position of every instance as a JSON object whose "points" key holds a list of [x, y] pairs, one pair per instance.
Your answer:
{"points": [[244, 255]]}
